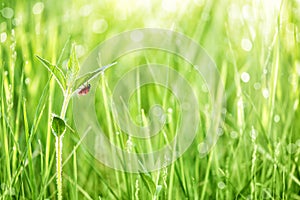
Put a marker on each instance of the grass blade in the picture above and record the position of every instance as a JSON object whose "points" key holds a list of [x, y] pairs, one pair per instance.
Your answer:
{"points": [[55, 71], [89, 76]]}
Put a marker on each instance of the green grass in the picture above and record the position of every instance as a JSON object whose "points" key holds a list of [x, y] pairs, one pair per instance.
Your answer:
{"points": [[257, 156]]}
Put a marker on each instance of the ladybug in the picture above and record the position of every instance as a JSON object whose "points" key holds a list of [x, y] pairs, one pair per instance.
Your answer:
{"points": [[85, 90]]}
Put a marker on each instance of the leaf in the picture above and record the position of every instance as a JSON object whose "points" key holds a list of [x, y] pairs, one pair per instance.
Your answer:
{"points": [[55, 71], [90, 75], [58, 126], [64, 53], [72, 67], [148, 182]]}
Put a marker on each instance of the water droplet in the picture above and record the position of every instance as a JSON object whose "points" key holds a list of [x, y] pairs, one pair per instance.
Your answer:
{"points": [[170, 110], [224, 111], [247, 12], [220, 131], [256, 86], [157, 110], [27, 81], [276, 118], [221, 185], [85, 10], [265, 93], [38, 8], [3, 37], [203, 148], [245, 77], [246, 44], [100, 26], [234, 134], [7, 12], [117, 133], [265, 71], [240, 103], [80, 50]]}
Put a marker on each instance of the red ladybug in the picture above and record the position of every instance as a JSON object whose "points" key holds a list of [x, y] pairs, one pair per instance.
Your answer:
{"points": [[85, 90]]}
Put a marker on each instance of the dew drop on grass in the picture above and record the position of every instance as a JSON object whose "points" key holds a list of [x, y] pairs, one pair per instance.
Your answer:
{"points": [[80, 50], [38, 8], [7, 12], [265, 93], [257, 86], [85, 10], [234, 134], [27, 81], [240, 103], [170, 110], [265, 71], [117, 133], [100, 26], [245, 77], [221, 185], [220, 131], [3, 37], [203, 148], [157, 111], [247, 12], [276, 118], [246, 44], [224, 111]]}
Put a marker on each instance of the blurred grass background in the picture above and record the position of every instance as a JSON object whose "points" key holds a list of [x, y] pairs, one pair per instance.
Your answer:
{"points": [[255, 45]]}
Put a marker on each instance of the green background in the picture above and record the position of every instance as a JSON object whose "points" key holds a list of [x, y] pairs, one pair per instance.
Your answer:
{"points": [[257, 156]]}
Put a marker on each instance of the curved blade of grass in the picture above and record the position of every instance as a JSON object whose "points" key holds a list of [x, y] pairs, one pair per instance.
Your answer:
{"points": [[89, 76], [55, 71], [148, 182], [73, 67]]}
